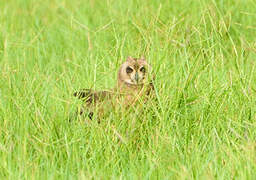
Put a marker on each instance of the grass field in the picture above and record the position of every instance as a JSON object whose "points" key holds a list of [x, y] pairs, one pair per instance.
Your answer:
{"points": [[202, 52]]}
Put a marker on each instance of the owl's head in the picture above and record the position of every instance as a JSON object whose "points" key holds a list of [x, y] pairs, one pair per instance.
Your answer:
{"points": [[134, 71]]}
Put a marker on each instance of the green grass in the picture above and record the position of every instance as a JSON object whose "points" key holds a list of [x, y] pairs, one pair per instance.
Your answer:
{"points": [[202, 51]]}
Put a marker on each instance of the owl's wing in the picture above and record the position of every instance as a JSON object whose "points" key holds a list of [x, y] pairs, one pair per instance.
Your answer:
{"points": [[90, 96], [150, 88]]}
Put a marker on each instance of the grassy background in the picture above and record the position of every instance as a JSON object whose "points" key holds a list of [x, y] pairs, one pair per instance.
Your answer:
{"points": [[203, 54]]}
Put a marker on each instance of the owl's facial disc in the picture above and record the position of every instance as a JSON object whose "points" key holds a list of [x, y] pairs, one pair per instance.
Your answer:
{"points": [[134, 71], [136, 74]]}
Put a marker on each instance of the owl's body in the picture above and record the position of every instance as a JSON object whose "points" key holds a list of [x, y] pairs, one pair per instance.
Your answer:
{"points": [[133, 86]]}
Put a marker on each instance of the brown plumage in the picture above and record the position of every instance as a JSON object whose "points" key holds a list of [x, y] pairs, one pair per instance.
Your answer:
{"points": [[133, 85]]}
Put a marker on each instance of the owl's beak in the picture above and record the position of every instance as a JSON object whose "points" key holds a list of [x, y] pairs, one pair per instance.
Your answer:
{"points": [[136, 77]]}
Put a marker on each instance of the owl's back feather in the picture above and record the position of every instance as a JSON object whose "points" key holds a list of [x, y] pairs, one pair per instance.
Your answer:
{"points": [[90, 96]]}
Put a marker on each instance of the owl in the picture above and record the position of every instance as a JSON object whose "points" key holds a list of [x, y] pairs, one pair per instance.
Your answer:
{"points": [[134, 85]]}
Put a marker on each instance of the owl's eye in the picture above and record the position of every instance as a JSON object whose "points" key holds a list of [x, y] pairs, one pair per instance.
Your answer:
{"points": [[129, 70], [143, 69]]}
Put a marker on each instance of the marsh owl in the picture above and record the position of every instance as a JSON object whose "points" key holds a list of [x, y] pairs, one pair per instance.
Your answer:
{"points": [[133, 84]]}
